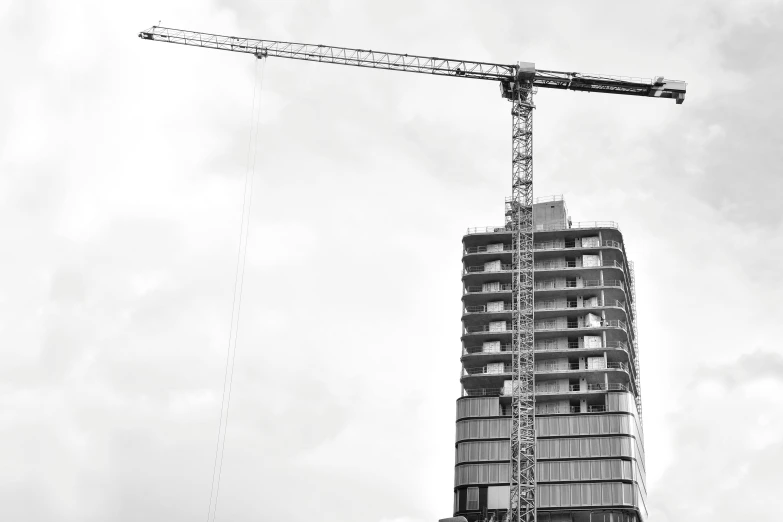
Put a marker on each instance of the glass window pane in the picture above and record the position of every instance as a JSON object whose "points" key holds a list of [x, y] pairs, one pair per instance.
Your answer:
{"points": [[575, 490], [544, 494]]}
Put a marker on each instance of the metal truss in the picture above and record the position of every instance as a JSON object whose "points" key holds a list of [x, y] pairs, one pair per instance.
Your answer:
{"points": [[659, 87], [519, 218], [635, 329], [336, 55]]}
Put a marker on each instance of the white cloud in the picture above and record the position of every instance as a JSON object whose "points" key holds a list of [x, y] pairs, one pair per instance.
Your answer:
{"points": [[121, 167]]}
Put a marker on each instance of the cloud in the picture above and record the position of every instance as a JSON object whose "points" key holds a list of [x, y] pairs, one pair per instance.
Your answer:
{"points": [[728, 443], [121, 168]]}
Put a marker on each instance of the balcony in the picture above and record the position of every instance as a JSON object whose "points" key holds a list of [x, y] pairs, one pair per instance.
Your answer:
{"points": [[560, 264], [552, 284], [546, 306], [489, 249], [575, 367], [505, 369], [507, 349], [482, 392], [562, 245], [481, 269], [485, 328], [543, 246], [489, 289], [485, 370], [577, 388], [574, 304], [572, 390], [548, 326]]}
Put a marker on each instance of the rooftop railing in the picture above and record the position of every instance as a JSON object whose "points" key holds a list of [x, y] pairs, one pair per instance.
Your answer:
{"points": [[487, 230], [545, 199], [548, 227]]}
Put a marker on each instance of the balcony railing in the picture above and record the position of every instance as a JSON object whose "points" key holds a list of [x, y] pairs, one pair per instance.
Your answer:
{"points": [[486, 328], [559, 264], [575, 367], [577, 388], [544, 347], [481, 268], [483, 370], [494, 289], [590, 283], [543, 305], [591, 408], [601, 323], [479, 309], [561, 245], [487, 230], [483, 392], [504, 348], [570, 305], [570, 367], [488, 249], [544, 327], [499, 392], [544, 245]]}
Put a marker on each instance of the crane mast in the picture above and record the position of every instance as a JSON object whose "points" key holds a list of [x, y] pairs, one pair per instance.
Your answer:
{"points": [[518, 83]]}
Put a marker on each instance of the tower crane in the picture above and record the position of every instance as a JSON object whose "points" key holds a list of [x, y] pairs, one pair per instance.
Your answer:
{"points": [[518, 83]]}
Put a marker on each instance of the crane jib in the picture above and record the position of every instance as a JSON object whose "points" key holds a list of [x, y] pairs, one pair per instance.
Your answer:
{"points": [[521, 72]]}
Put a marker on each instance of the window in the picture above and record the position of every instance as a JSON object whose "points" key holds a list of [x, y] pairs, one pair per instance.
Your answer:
{"points": [[473, 499]]}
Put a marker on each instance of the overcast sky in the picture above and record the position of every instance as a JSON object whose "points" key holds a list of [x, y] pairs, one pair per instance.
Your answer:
{"points": [[121, 169]]}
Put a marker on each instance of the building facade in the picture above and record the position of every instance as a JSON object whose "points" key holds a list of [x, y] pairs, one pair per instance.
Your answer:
{"points": [[589, 442]]}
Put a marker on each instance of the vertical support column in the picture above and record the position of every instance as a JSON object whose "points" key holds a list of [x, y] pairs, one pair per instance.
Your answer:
{"points": [[519, 218]]}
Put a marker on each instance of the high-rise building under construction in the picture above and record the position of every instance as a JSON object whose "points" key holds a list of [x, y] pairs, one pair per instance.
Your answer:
{"points": [[589, 443]]}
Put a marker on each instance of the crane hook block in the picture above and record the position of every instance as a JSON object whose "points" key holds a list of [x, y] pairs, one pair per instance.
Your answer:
{"points": [[526, 71]]}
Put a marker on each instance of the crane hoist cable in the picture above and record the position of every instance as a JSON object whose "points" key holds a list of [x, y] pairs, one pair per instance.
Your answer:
{"points": [[239, 279]]}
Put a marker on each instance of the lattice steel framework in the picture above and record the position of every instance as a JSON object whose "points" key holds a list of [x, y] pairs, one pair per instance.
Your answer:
{"points": [[518, 83], [519, 218], [635, 329]]}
